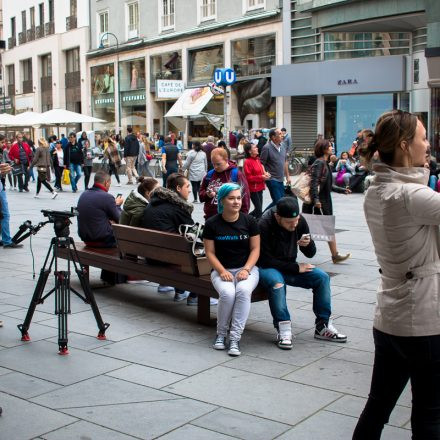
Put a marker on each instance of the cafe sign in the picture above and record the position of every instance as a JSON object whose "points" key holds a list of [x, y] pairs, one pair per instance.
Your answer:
{"points": [[169, 89]]}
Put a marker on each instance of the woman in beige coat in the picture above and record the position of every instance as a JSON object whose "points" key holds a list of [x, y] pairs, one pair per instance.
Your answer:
{"points": [[403, 215], [41, 162]]}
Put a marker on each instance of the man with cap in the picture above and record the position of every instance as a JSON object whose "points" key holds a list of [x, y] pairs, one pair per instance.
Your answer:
{"points": [[283, 230]]}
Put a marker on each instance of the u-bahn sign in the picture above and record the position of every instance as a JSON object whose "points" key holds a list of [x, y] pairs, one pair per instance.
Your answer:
{"points": [[224, 77]]}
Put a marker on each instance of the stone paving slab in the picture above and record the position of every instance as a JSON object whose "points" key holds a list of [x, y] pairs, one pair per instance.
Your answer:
{"points": [[23, 420], [85, 431], [25, 386], [194, 433], [240, 425], [48, 365], [249, 393], [144, 420]]}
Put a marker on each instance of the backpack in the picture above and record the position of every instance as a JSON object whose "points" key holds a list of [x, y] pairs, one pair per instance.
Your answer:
{"points": [[234, 175]]}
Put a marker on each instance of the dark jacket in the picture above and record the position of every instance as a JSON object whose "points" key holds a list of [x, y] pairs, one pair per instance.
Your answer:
{"points": [[279, 248], [96, 208], [133, 210], [73, 154], [131, 147], [207, 148], [167, 211], [262, 141], [321, 183]]}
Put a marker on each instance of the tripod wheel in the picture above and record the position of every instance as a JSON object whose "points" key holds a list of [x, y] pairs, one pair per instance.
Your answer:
{"points": [[101, 336], [63, 351], [25, 337]]}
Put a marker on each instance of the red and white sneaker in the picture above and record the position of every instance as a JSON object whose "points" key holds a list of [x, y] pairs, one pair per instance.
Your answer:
{"points": [[328, 332]]}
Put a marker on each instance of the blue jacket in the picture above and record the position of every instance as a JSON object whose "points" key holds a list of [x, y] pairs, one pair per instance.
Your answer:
{"points": [[96, 208]]}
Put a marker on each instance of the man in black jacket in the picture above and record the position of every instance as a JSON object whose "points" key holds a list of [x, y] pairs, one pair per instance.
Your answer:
{"points": [[282, 229], [131, 152], [73, 160], [262, 141]]}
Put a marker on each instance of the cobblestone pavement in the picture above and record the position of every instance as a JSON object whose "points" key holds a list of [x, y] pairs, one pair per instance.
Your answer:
{"points": [[157, 376]]}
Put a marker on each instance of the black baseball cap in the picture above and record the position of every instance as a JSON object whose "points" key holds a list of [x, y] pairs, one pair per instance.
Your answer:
{"points": [[288, 207]]}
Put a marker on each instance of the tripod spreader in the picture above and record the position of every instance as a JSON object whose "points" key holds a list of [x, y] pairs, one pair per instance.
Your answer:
{"points": [[62, 291]]}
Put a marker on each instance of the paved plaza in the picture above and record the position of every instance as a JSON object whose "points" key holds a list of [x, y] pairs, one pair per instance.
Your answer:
{"points": [[156, 375]]}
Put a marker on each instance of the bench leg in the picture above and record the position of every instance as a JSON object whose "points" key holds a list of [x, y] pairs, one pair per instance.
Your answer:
{"points": [[203, 311]]}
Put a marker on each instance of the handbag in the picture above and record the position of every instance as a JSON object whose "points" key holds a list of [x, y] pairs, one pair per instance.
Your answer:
{"points": [[66, 177], [193, 234], [340, 177], [17, 169], [301, 186], [322, 227]]}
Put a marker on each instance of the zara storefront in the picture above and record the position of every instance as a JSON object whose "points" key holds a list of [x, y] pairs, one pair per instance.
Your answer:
{"points": [[339, 97]]}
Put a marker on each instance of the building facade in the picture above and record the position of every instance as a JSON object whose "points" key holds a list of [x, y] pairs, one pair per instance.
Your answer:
{"points": [[346, 62], [144, 54], [45, 64]]}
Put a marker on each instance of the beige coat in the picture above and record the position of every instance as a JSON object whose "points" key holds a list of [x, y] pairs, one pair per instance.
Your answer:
{"points": [[403, 215]]}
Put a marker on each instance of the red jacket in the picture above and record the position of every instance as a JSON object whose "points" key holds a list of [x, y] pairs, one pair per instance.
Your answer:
{"points": [[253, 170], [14, 153], [216, 181]]}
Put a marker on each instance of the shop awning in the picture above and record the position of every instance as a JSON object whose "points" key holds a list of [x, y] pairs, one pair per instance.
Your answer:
{"points": [[190, 103]]}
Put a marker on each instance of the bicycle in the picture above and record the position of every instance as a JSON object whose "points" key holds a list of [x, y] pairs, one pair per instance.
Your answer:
{"points": [[296, 164]]}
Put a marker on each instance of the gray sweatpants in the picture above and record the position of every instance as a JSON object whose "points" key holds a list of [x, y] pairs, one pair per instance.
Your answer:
{"points": [[234, 302]]}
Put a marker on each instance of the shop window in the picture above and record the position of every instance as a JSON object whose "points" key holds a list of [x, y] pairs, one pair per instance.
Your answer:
{"points": [[416, 71], [167, 14], [343, 45], [166, 66], [253, 56], [133, 20], [132, 75], [434, 138], [103, 93], [208, 10], [103, 28], [203, 62]]}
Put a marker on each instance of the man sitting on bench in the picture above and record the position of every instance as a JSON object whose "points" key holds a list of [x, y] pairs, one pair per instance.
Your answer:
{"points": [[282, 230]]}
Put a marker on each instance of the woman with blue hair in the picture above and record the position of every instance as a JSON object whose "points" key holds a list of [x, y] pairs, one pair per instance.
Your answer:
{"points": [[232, 245]]}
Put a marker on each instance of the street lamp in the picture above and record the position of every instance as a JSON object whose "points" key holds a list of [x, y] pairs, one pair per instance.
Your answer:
{"points": [[101, 46]]}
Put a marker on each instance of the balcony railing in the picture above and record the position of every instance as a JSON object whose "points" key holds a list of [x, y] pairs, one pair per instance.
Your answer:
{"points": [[39, 32], [12, 42], [11, 89], [72, 79], [253, 65], [46, 83], [167, 74], [71, 22], [22, 38], [49, 28], [30, 34], [28, 86]]}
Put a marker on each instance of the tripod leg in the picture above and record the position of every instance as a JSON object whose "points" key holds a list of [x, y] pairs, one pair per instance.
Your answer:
{"points": [[83, 278], [62, 308], [36, 299]]}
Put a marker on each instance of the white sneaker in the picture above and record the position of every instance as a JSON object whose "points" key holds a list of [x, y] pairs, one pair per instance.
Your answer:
{"points": [[181, 296], [234, 348], [164, 289], [118, 184], [284, 337], [329, 333], [213, 301], [36, 196], [137, 282], [54, 194], [219, 343]]}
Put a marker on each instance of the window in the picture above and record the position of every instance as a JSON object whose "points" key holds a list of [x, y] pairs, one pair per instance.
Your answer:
{"points": [[11, 74], [46, 65], [167, 65], [207, 10], [27, 69], [203, 62], [419, 39], [254, 4], [51, 10], [133, 20], [13, 27], [167, 17], [41, 13], [73, 8], [23, 21], [416, 71], [103, 28], [72, 60], [32, 17]]}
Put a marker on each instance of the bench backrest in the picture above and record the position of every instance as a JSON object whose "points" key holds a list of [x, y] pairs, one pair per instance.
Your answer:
{"points": [[163, 247]]}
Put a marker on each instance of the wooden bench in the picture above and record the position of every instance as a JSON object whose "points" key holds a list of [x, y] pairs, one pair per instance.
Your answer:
{"points": [[171, 263]]}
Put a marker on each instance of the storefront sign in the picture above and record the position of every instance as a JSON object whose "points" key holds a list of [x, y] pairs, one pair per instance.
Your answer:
{"points": [[133, 98], [347, 82], [169, 89], [106, 100]]}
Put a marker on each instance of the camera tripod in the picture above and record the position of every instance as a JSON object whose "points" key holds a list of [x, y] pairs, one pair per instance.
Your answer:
{"points": [[62, 291]]}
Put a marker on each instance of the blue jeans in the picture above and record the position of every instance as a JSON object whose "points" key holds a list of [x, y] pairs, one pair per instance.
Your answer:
{"points": [[317, 280], [276, 190], [75, 169], [4, 222]]}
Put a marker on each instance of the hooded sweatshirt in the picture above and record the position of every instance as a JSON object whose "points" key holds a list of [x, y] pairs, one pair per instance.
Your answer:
{"points": [[215, 182]]}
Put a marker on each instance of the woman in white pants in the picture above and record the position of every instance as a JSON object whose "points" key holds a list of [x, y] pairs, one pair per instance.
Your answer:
{"points": [[232, 245]]}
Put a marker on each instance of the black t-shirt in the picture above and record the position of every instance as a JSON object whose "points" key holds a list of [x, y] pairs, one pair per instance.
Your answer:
{"points": [[231, 240]]}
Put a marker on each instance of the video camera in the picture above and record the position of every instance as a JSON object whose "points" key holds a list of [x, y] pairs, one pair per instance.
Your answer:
{"points": [[60, 220]]}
